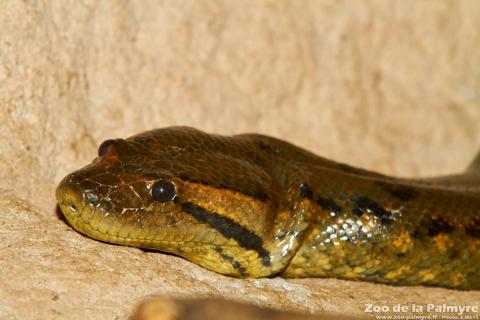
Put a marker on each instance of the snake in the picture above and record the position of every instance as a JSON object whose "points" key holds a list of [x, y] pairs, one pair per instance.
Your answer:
{"points": [[250, 206]]}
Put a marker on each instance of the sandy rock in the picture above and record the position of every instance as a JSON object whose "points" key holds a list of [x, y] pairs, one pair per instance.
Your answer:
{"points": [[389, 86]]}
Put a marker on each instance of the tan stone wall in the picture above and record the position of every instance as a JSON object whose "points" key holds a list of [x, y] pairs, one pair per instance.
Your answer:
{"points": [[392, 86]]}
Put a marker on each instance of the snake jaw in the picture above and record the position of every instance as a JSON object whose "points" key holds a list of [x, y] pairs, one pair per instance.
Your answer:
{"points": [[174, 232]]}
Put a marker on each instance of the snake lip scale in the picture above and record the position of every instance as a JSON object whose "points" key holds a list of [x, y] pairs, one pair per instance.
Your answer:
{"points": [[250, 205]]}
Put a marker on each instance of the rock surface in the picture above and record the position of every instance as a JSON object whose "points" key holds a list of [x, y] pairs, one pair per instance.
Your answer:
{"points": [[389, 86]]}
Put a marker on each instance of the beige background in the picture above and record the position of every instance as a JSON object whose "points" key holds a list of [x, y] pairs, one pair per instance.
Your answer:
{"points": [[392, 86]]}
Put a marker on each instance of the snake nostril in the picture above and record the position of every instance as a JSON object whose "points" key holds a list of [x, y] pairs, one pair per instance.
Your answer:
{"points": [[72, 207]]}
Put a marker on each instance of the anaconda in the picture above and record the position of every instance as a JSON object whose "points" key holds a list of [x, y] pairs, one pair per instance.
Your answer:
{"points": [[250, 205]]}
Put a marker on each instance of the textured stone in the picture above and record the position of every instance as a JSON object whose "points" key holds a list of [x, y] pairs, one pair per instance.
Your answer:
{"points": [[389, 86]]}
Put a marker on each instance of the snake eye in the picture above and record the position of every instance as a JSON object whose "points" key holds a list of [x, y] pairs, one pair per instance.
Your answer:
{"points": [[103, 148], [163, 191]]}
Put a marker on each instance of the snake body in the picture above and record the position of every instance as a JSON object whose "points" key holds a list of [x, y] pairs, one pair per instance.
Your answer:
{"points": [[254, 206]]}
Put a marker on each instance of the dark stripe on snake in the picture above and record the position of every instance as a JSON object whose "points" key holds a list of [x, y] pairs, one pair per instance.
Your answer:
{"points": [[254, 193], [229, 229], [365, 204], [329, 205], [402, 193], [306, 191], [437, 226], [432, 227], [473, 228], [235, 264]]}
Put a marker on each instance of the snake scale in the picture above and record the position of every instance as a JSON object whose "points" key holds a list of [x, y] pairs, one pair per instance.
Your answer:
{"points": [[250, 205]]}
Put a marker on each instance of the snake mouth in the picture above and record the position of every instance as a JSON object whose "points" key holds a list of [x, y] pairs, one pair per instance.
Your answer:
{"points": [[83, 219], [96, 222], [97, 225], [101, 223]]}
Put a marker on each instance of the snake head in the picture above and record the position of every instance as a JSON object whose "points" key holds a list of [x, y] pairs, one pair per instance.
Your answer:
{"points": [[177, 190]]}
